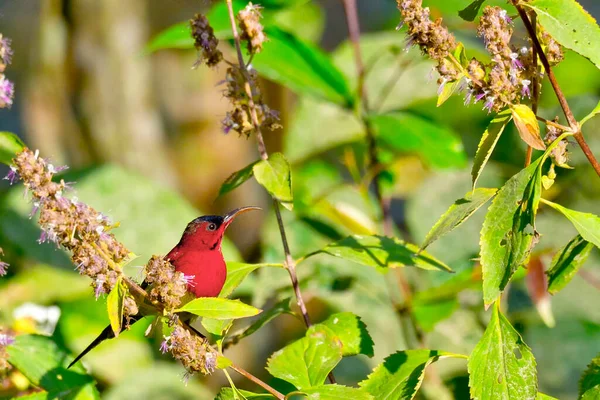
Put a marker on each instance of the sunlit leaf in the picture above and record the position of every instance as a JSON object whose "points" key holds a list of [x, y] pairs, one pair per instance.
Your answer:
{"points": [[10, 145], [401, 374], [352, 332], [589, 385], [335, 392], [470, 12], [448, 89], [237, 272], [527, 125], [591, 115], [458, 213], [227, 393], [566, 263], [114, 305], [488, 142], [274, 175], [570, 25], [237, 178], [502, 366], [381, 252], [429, 314], [306, 362], [216, 326], [44, 363], [588, 225], [218, 308]]}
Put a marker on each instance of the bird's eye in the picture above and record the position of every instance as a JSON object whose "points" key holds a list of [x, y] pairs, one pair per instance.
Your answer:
{"points": [[211, 227]]}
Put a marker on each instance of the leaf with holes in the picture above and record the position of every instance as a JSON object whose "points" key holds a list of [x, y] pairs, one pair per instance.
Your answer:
{"points": [[218, 308], [114, 305], [488, 142], [570, 25], [502, 366], [274, 174], [236, 179], [10, 145], [382, 253], [566, 263], [401, 374], [352, 332], [588, 225], [458, 213], [306, 362], [589, 385], [527, 125]]}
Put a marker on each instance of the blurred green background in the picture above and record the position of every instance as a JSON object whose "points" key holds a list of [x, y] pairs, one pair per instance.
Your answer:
{"points": [[141, 133]]}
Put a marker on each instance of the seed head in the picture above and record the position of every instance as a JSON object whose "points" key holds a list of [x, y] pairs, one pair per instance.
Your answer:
{"points": [[167, 285], [205, 41], [251, 28], [194, 352]]}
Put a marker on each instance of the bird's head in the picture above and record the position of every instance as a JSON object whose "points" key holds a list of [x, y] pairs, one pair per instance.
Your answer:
{"points": [[206, 232]]}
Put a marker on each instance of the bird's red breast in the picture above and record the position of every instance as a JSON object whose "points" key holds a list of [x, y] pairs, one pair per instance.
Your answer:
{"points": [[205, 269]]}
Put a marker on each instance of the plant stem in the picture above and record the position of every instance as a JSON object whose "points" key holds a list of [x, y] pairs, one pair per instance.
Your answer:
{"points": [[536, 90], [554, 124], [254, 379], [262, 149], [559, 94]]}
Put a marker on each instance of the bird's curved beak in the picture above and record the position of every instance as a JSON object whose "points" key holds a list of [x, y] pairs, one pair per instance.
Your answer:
{"points": [[234, 213]]}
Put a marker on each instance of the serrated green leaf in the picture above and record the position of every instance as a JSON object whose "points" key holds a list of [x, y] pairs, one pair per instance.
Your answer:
{"points": [[44, 363], [381, 252], [589, 385], [591, 115], [507, 234], [470, 12], [502, 366], [458, 213], [306, 362], [218, 308], [440, 147], [570, 25], [588, 225], [114, 305], [566, 262], [334, 392], [488, 142], [527, 125], [236, 179], [228, 394], [401, 374], [10, 145], [274, 175], [237, 272], [352, 332]]}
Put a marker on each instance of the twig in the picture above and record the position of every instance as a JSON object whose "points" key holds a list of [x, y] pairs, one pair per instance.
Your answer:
{"points": [[552, 123], [391, 83], [559, 94], [254, 379], [536, 91], [262, 149]]}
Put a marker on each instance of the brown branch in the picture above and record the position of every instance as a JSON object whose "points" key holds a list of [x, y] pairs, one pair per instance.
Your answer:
{"points": [[536, 90], [559, 94], [254, 379]]}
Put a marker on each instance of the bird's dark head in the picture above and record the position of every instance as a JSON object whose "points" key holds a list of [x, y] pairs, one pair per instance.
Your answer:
{"points": [[206, 232]]}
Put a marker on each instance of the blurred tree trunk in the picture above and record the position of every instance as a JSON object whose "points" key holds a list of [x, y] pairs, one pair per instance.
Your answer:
{"points": [[117, 96]]}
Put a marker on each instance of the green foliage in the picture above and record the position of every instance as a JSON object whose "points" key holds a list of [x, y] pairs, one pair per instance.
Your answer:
{"points": [[570, 25], [274, 175], [566, 262], [591, 115], [527, 125], [114, 305], [44, 363], [502, 366], [306, 362], [488, 142], [237, 272], [334, 392], [588, 225], [219, 308], [237, 178], [229, 394], [10, 145], [381, 252], [589, 385], [352, 332]]}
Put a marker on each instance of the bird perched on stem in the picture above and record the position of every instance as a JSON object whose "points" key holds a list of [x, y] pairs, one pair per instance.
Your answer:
{"points": [[198, 256]]}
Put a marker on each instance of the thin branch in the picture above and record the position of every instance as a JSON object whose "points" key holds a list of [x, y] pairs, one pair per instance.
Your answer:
{"points": [[536, 90], [391, 83], [254, 379], [554, 124], [559, 94]]}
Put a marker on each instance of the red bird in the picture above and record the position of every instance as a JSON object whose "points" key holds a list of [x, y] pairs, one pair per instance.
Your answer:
{"points": [[198, 255]]}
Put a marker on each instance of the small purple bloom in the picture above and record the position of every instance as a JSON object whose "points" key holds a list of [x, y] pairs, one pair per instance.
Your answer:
{"points": [[3, 267], [408, 43], [525, 90], [468, 97], [7, 92], [515, 62], [489, 103], [189, 280], [441, 88], [186, 378], [481, 96], [505, 17], [5, 50], [6, 340], [12, 175], [99, 287], [164, 346], [34, 209]]}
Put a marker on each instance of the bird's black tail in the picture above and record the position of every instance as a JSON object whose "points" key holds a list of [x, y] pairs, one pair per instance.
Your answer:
{"points": [[107, 333]]}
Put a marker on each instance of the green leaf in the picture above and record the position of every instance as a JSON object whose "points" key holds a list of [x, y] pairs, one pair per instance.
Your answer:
{"points": [[570, 25], [218, 308], [429, 314], [488, 142], [542, 396], [334, 392], [382, 253], [527, 125], [566, 262], [178, 36], [282, 307], [352, 332], [223, 362], [470, 12], [591, 115], [438, 146], [588, 225], [589, 385], [401, 374], [236, 179], [306, 362], [114, 305], [502, 366], [507, 234], [10, 145], [228, 394], [216, 326], [302, 67], [237, 272], [448, 90], [44, 363], [274, 175], [458, 213]]}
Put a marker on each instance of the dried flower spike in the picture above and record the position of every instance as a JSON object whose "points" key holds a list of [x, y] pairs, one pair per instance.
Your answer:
{"points": [[252, 30], [3, 265], [167, 285], [7, 88], [205, 41], [194, 352]]}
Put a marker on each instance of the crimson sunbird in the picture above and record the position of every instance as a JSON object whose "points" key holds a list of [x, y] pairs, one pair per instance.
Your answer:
{"points": [[198, 256]]}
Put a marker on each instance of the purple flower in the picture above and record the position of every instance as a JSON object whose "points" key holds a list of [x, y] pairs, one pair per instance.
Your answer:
{"points": [[6, 52], [34, 209], [441, 88], [12, 175], [99, 287], [481, 96], [468, 97], [505, 17], [164, 346], [189, 280], [6, 340], [515, 63], [489, 103], [7, 92], [3, 267], [525, 90]]}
